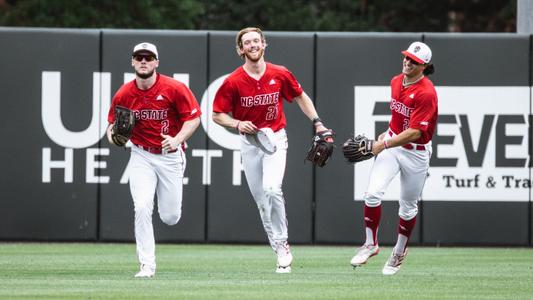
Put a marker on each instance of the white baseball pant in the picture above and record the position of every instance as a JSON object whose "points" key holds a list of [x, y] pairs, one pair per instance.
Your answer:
{"points": [[160, 174], [264, 174], [412, 164]]}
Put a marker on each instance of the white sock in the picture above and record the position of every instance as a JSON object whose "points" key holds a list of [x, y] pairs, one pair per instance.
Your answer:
{"points": [[399, 249], [369, 237]]}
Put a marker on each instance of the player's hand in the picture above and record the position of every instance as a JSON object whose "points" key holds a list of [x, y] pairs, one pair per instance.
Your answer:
{"points": [[247, 127], [109, 133], [378, 146], [322, 128], [170, 143]]}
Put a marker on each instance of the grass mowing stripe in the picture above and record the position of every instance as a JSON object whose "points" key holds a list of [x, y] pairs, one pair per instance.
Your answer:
{"points": [[105, 271]]}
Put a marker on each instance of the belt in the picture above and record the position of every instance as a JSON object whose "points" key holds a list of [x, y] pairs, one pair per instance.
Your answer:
{"points": [[155, 150], [417, 147], [410, 146]]}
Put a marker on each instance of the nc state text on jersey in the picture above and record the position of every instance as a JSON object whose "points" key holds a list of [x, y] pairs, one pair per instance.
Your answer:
{"points": [[400, 108], [151, 114], [262, 99]]}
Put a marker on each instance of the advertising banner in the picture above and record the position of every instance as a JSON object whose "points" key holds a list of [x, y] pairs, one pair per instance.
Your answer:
{"points": [[480, 146]]}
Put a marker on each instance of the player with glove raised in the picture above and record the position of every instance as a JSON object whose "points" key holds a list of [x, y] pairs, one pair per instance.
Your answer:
{"points": [[404, 148], [157, 114]]}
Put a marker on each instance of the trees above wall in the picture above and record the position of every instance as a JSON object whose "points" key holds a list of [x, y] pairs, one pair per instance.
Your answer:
{"points": [[282, 15]]}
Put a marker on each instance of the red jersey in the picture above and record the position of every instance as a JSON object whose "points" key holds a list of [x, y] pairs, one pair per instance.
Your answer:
{"points": [[163, 108], [414, 106], [259, 101]]}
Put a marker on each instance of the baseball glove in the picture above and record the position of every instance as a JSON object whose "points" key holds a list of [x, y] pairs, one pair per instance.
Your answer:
{"points": [[321, 148], [123, 127], [357, 149]]}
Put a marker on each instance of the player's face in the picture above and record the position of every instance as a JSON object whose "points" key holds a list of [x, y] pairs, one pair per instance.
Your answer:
{"points": [[144, 64], [412, 68], [252, 46]]}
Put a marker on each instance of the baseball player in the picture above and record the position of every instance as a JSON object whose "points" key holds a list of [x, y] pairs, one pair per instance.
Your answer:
{"points": [[166, 114], [253, 94], [404, 148]]}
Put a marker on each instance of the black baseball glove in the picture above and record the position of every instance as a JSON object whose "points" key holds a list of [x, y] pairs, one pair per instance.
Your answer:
{"points": [[321, 148], [123, 127], [357, 149]]}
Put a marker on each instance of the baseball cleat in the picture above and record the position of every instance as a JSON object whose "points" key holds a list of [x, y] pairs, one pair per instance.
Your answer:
{"points": [[284, 255], [363, 254], [393, 264], [145, 272], [283, 270]]}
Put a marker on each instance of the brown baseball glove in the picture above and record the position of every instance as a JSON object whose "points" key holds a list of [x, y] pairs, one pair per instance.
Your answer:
{"points": [[123, 127], [321, 148], [357, 149]]}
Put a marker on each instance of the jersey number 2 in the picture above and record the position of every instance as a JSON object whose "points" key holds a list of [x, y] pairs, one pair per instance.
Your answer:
{"points": [[164, 126], [405, 124]]}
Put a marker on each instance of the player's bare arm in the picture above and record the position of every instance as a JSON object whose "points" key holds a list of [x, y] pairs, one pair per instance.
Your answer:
{"points": [[406, 136], [226, 120], [381, 137], [308, 108], [170, 143]]}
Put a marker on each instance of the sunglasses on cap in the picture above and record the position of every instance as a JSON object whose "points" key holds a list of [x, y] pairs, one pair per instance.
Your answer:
{"points": [[147, 57], [414, 62]]}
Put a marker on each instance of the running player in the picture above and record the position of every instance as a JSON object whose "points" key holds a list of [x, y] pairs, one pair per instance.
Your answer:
{"points": [[407, 145], [166, 114], [253, 94]]}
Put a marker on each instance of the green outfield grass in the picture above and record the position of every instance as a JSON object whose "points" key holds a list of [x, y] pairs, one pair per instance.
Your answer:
{"points": [[105, 271]]}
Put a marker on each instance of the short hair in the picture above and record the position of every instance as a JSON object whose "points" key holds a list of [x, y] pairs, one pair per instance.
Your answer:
{"points": [[238, 39]]}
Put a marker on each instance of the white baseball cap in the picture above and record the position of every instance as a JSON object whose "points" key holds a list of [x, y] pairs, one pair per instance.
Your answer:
{"points": [[146, 47], [264, 139], [419, 52]]}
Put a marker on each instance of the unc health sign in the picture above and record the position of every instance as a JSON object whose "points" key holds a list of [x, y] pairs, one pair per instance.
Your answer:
{"points": [[480, 146], [55, 129]]}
